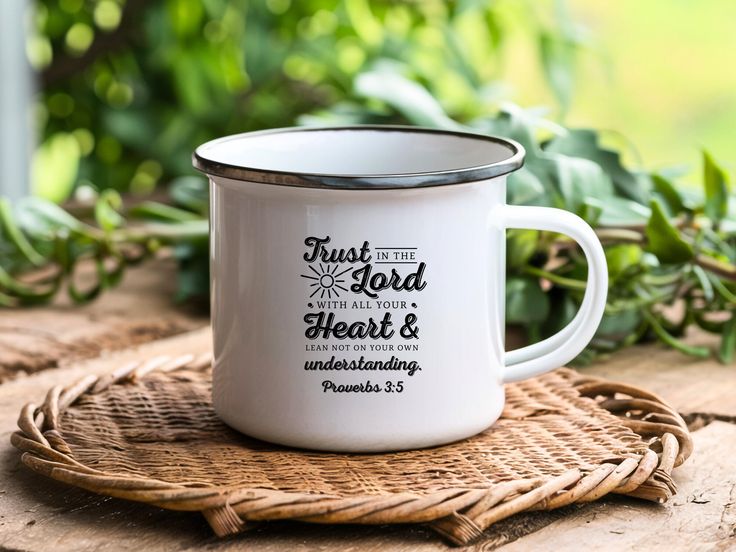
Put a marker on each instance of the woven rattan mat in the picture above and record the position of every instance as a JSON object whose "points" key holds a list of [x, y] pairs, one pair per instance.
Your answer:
{"points": [[147, 432]]}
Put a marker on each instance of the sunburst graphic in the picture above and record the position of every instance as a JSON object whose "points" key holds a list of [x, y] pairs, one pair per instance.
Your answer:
{"points": [[326, 282]]}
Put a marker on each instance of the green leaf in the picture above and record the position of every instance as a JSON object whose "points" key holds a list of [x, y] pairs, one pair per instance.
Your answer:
{"points": [[561, 312], [39, 218], [705, 283], [459, 59], [132, 127], [728, 341], [54, 167], [525, 188], [669, 194], [618, 211], [622, 257], [407, 97], [521, 125], [106, 213], [579, 179], [190, 86], [534, 182], [14, 234], [558, 61], [365, 24], [191, 192], [263, 50], [716, 189], [520, 246], [721, 288], [590, 212], [525, 301], [344, 114], [664, 240], [464, 5], [584, 143], [620, 324]]}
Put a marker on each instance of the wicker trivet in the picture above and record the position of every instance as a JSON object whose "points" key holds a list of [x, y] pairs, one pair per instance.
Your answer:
{"points": [[147, 432]]}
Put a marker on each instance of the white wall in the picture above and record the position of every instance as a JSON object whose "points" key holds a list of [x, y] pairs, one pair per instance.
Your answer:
{"points": [[16, 88]]}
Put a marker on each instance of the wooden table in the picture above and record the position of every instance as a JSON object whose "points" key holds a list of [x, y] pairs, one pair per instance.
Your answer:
{"points": [[43, 347]]}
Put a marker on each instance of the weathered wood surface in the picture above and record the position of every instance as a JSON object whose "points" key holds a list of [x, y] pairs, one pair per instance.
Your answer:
{"points": [[702, 516], [138, 311], [690, 385], [37, 514]]}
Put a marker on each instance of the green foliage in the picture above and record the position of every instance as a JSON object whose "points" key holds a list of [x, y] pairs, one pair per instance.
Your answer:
{"points": [[584, 143], [42, 239], [526, 303], [654, 260], [666, 191], [557, 51], [716, 190], [131, 87], [664, 239], [55, 166], [194, 71], [728, 342]]}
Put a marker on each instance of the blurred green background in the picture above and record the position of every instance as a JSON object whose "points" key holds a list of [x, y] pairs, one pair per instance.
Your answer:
{"points": [[625, 110], [660, 76], [128, 87]]}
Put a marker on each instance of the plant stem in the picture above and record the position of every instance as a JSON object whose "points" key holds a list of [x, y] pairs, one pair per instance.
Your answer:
{"points": [[724, 270], [661, 279], [722, 289], [165, 232], [621, 235], [561, 281], [701, 352], [17, 237]]}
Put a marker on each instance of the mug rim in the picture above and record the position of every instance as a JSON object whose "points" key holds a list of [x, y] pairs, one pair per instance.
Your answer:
{"points": [[381, 181]]}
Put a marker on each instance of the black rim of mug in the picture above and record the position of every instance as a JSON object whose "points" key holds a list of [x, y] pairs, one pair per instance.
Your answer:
{"points": [[362, 181]]}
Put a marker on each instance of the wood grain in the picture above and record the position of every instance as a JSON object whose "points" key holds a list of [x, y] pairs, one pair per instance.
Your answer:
{"points": [[690, 385], [37, 514], [702, 516], [139, 311]]}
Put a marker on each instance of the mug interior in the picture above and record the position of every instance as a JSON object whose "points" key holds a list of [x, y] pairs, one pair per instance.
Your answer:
{"points": [[357, 151]]}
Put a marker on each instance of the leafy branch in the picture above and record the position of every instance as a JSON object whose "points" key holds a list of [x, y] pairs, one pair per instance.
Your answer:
{"points": [[665, 251], [666, 246], [671, 248], [42, 246]]}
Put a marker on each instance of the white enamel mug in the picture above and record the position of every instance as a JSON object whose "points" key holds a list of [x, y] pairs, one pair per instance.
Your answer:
{"points": [[358, 281]]}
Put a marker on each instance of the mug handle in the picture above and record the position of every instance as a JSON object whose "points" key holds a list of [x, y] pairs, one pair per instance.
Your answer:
{"points": [[565, 345]]}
